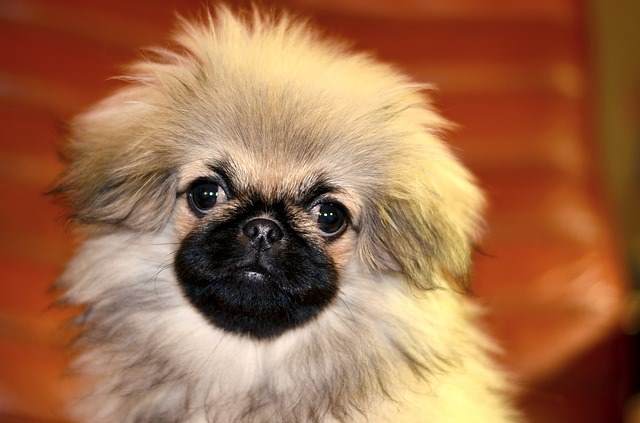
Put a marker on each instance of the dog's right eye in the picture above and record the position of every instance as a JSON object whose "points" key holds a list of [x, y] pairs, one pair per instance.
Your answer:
{"points": [[203, 194]]}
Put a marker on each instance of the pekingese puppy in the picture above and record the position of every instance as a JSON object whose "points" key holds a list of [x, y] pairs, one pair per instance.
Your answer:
{"points": [[274, 232]]}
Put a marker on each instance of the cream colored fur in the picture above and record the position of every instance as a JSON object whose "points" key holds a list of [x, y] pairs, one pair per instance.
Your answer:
{"points": [[398, 345]]}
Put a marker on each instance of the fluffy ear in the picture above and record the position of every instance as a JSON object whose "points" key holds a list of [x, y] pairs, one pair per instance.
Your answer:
{"points": [[429, 217], [118, 172]]}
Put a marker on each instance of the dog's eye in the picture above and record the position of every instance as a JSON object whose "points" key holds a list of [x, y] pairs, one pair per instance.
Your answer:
{"points": [[330, 217], [203, 194]]}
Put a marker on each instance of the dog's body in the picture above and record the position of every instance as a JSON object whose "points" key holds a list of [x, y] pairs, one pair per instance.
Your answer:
{"points": [[364, 323]]}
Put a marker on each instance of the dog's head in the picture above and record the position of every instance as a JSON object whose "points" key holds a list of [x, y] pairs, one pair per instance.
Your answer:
{"points": [[275, 160]]}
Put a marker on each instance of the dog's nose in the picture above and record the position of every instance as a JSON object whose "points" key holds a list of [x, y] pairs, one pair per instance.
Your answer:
{"points": [[262, 232]]}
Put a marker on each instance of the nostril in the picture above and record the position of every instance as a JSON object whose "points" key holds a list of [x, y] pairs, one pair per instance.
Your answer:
{"points": [[251, 231], [263, 229], [274, 234]]}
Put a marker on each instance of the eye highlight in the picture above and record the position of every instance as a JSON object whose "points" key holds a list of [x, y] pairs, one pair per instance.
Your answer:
{"points": [[203, 195], [331, 218]]}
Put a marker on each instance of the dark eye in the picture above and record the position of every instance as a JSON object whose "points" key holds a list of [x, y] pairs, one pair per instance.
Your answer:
{"points": [[330, 217], [203, 195]]}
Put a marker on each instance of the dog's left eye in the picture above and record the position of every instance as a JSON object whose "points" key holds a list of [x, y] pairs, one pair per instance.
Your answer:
{"points": [[331, 218], [203, 194]]}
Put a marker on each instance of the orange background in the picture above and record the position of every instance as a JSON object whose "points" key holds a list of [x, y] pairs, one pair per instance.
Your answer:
{"points": [[515, 75]]}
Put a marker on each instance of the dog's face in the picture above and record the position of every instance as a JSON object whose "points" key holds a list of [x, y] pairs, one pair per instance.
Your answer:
{"points": [[274, 165], [258, 257]]}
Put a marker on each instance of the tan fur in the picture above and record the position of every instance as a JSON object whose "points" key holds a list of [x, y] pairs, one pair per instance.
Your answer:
{"points": [[283, 107]]}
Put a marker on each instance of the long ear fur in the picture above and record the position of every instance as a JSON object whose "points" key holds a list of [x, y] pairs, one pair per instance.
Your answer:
{"points": [[117, 171], [430, 216]]}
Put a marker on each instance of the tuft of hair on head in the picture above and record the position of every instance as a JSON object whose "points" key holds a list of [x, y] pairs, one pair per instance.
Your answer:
{"points": [[122, 156]]}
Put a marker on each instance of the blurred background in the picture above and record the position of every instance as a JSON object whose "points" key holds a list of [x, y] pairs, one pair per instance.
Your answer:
{"points": [[547, 97]]}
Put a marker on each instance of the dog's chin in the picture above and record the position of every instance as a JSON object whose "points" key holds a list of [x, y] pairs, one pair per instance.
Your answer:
{"points": [[254, 302]]}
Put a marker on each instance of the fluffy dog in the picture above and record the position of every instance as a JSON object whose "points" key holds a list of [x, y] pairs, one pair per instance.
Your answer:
{"points": [[273, 232]]}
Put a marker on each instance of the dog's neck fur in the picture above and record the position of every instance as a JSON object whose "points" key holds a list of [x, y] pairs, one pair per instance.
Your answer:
{"points": [[156, 359]]}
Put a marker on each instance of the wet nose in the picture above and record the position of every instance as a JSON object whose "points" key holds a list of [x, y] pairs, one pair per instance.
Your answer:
{"points": [[263, 232]]}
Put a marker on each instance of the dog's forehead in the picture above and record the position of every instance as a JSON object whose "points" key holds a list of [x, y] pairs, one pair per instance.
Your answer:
{"points": [[275, 174], [282, 142], [274, 161]]}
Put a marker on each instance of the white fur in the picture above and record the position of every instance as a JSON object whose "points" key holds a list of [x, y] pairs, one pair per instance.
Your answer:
{"points": [[371, 309]]}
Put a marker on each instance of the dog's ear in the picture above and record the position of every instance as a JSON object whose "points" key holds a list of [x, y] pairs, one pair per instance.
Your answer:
{"points": [[429, 217], [117, 171]]}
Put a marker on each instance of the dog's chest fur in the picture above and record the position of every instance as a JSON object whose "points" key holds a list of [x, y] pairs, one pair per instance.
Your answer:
{"points": [[378, 350]]}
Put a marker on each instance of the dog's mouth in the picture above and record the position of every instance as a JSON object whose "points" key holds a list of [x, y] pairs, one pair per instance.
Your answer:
{"points": [[253, 269], [253, 301], [254, 273]]}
